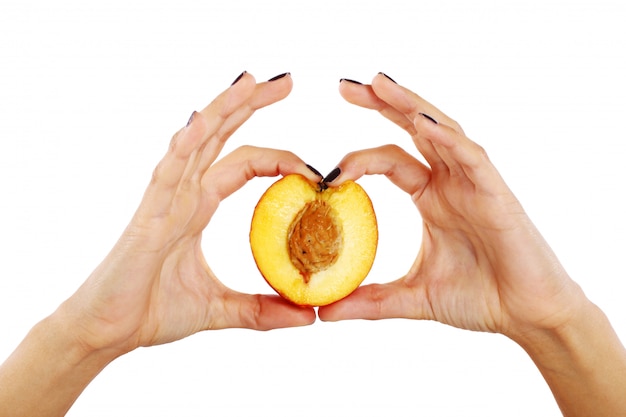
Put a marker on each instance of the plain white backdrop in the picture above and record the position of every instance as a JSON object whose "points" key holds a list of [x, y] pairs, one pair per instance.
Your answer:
{"points": [[91, 92]]}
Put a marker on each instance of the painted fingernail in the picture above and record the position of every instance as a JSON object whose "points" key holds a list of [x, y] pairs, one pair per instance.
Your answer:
{"points": [[313, 170], [350, 81], [278, 77], [193, 115], [332, 176], [238, 78], [388, 77], [429, 118]]}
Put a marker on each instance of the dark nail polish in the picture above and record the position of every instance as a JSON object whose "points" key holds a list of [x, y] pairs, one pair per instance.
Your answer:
{"points": [[193, 115], [388, 77], [332, 176], [313, 170], [278, 77], [429, 118], [350, 81], [238, 78]]}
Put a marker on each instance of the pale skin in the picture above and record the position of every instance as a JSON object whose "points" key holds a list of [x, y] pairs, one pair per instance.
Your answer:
{"points": [[155, 285], [482, 264]]}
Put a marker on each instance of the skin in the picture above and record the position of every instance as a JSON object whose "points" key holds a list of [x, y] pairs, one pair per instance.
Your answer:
{"points": [[482, 264], [155, 285]]}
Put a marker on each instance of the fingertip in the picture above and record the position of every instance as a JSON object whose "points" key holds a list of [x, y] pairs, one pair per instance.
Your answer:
{"points": [[387, 77], [278, 77], [325, 313], [429, 118], [313, 175], [284, 82], [332, 175], [286, 85], [275, 312], [244, 78], [290, 163], [347, 83], [284, 78], [229, 100], [357, 93], [381, 79], [188, 138], [314, 171], [303, 169], [430, 128], [349, 308], [193, 115], [239, 77], [271, 91], [242, 88]]}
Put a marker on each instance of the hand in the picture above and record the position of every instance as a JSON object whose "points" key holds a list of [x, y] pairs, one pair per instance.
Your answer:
{"points": [[155, 286], [482, 264]]}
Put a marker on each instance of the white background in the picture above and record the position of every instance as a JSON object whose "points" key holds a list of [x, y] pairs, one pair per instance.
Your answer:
{"points": [[90, 94]]}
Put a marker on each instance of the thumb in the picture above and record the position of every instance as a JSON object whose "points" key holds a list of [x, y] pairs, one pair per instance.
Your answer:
{"points": [[375, 302], [401, 168]]}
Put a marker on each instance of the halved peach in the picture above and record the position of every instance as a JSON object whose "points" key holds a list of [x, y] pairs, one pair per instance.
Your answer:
{"points": [[314, 244]]}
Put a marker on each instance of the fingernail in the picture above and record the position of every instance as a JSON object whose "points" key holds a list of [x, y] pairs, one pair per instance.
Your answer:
{"points": [[278, 77], [350, 81], [332, 176], [429, 118], [388, 77], [238, 78], [313, 170], [193, 115]]}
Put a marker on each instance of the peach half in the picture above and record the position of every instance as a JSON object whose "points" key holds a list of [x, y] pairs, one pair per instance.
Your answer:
{"points": [[314, 244]]}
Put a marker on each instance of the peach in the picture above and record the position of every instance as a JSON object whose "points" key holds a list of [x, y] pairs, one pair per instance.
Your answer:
{"points": [[314, 244]]}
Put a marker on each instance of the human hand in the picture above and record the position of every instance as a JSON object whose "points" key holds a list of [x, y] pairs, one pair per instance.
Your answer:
{"points": [[482, 264], [155, 286]]}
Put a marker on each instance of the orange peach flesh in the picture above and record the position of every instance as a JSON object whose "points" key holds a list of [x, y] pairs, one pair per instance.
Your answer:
{"points": [[313, 246]]}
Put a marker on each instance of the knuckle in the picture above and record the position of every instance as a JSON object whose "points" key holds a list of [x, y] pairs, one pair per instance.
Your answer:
{"points": [[157, 173], [245, 149], [174, 141], [481, 152], [390, 148]]}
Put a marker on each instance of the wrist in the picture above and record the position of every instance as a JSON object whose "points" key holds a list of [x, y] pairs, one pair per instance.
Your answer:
{"points": [[568, 315], [84, 339], [48, 370], [583, 362], [549, 346], [66, 330]]}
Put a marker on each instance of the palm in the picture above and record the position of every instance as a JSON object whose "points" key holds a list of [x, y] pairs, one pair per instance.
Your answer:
{"points": [[177, 302], [482, 265], [155, 286], [453, 270]]}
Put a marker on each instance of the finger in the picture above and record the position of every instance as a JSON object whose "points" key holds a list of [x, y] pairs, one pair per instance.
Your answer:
{"points": [[263, 95], [217, 116], [390, 160], [262, 312], [375, 302], [246, 102], [246, 162], [197, 145], [462, 155], [364, 96], [167, 175], [407, 102], [186, 142], [459, 154]]}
